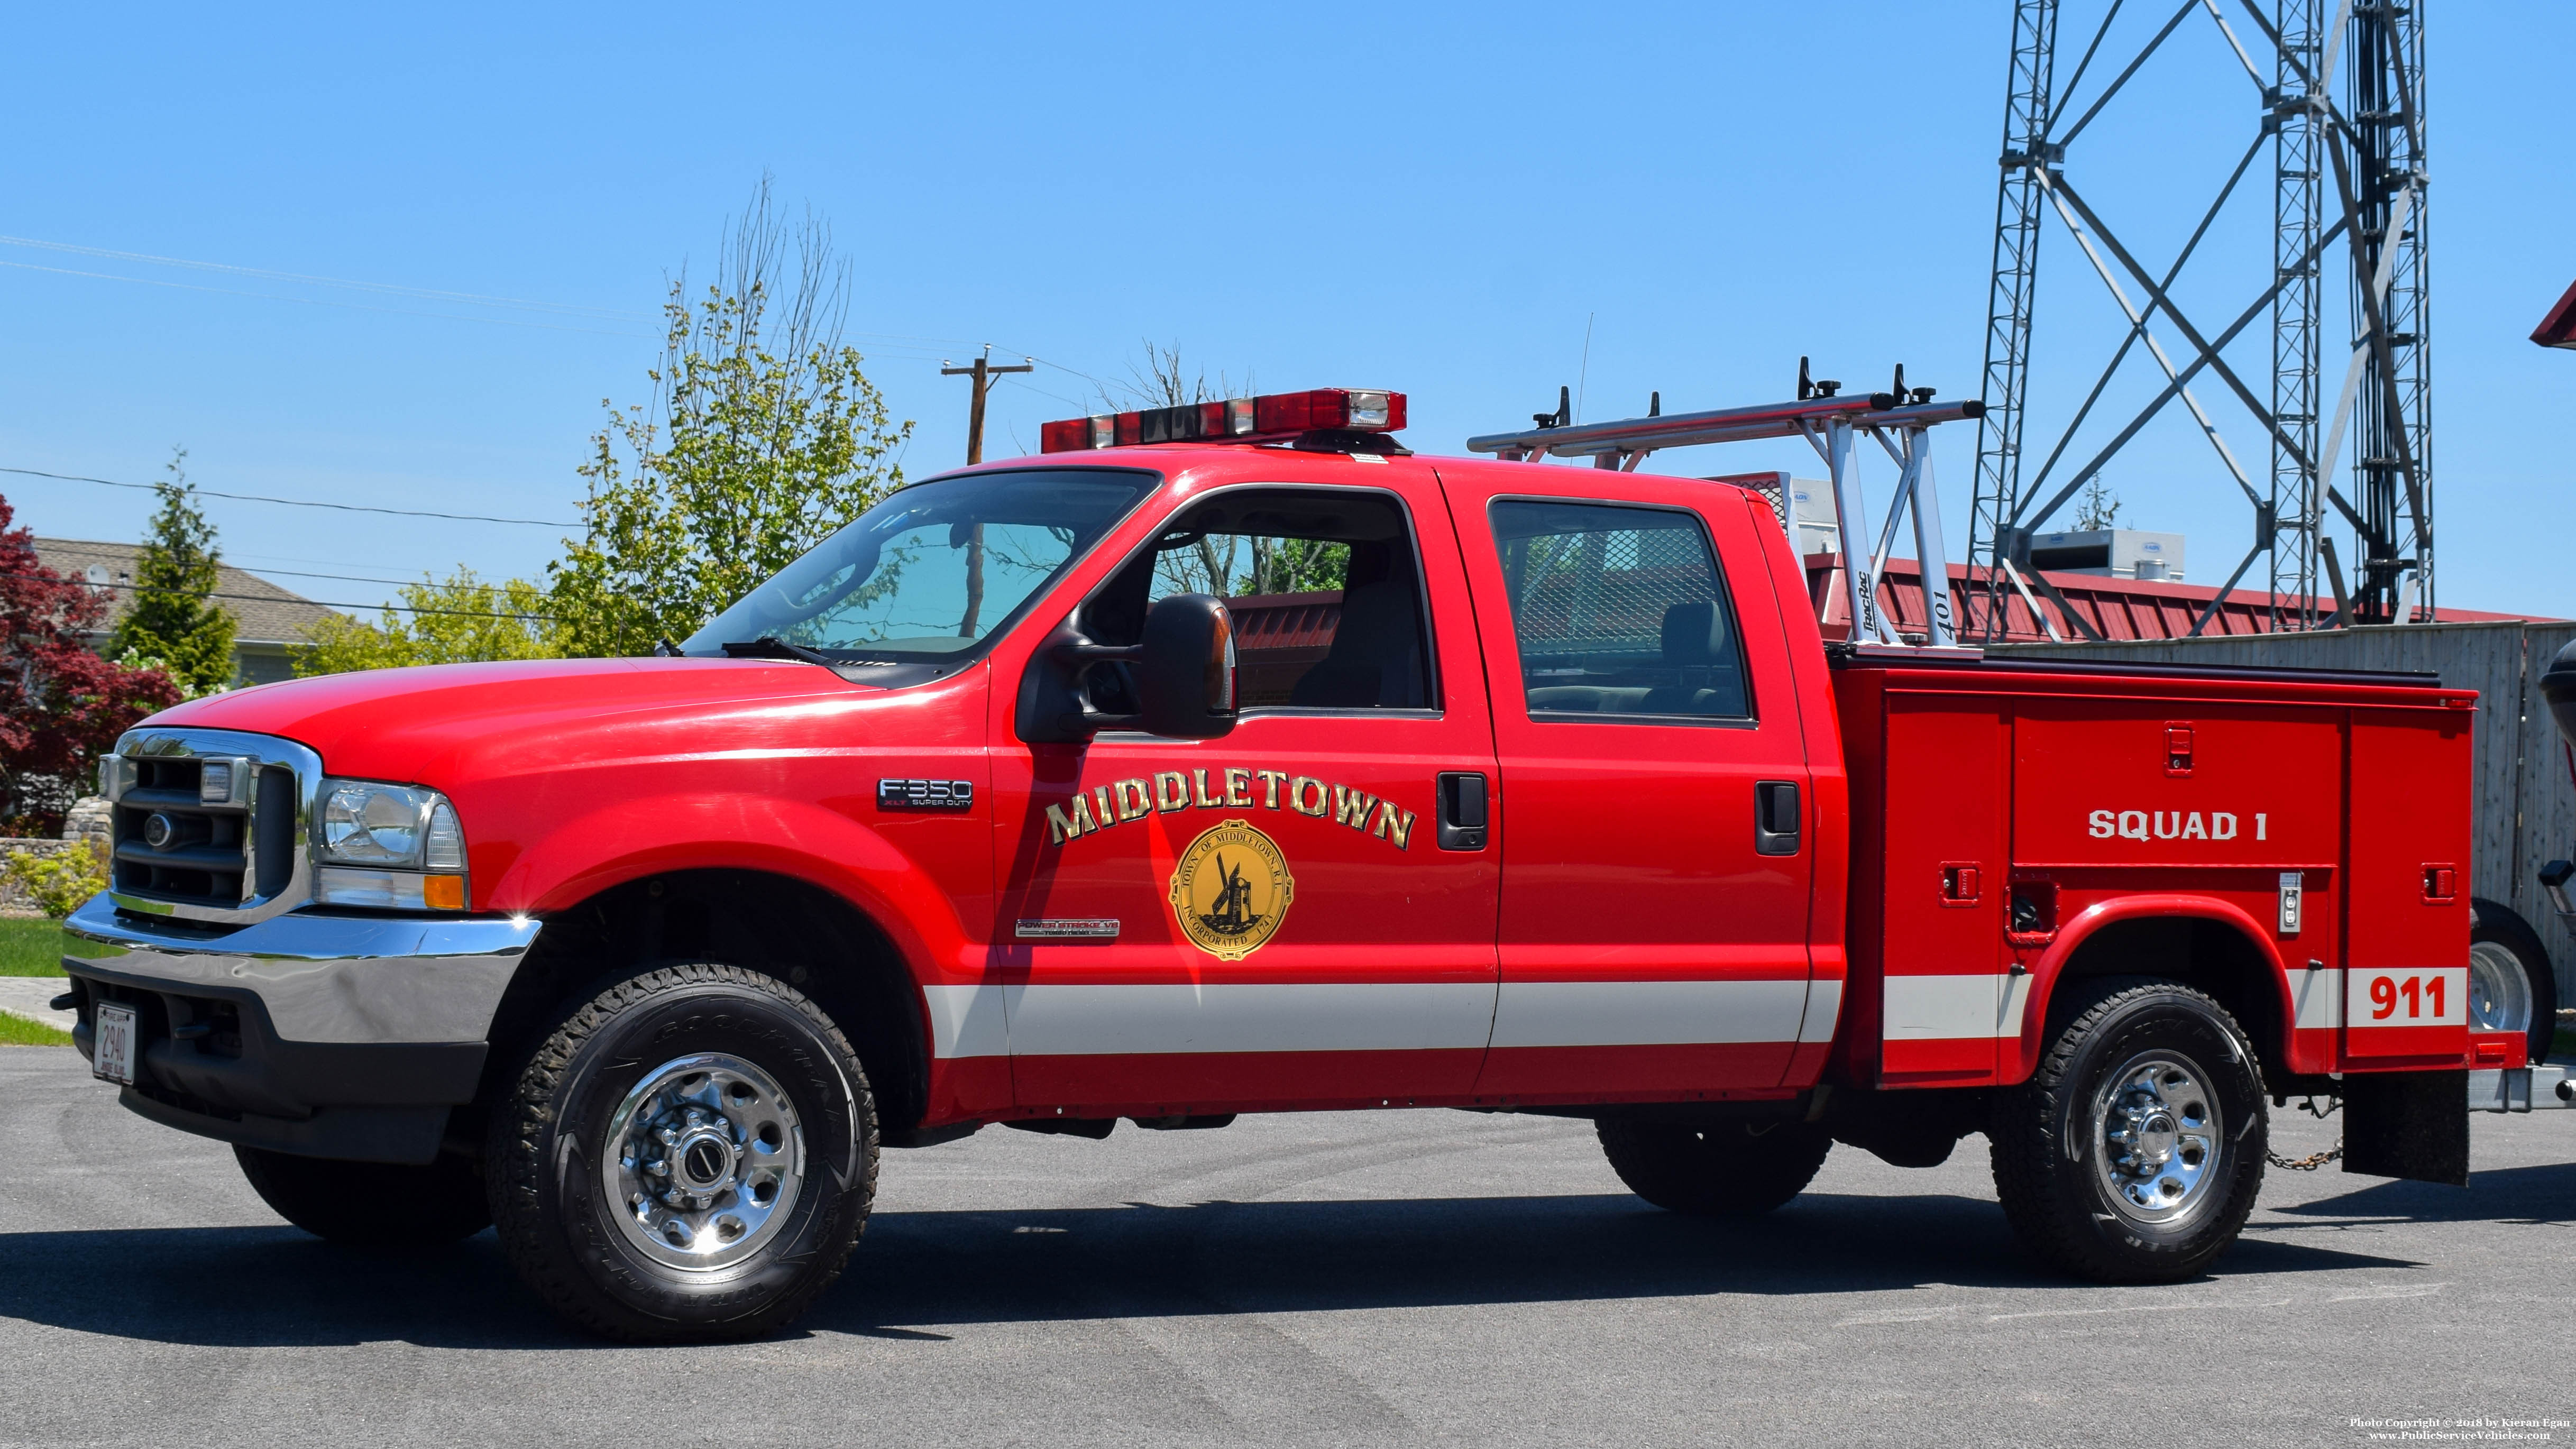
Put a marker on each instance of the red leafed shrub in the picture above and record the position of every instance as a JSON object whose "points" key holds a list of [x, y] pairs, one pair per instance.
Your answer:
{"points": [[61, 706]]}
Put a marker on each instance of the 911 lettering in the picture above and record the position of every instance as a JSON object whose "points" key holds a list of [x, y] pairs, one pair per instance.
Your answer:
{"points": [[2425, 998]]}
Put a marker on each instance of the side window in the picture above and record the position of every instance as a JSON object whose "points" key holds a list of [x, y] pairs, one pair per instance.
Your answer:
{"points": [[1324, 588], [1618, 611]]}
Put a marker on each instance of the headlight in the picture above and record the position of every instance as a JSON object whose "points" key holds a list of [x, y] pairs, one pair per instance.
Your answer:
{"points": [[400, 837]]}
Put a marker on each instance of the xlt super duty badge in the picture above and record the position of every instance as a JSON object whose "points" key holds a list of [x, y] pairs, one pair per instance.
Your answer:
{"points": [[925, 794]]}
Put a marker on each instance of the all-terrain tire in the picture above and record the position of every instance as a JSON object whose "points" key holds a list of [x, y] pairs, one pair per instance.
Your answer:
{"points": [[1733, 1170], [371, 1204], [553, 1157], [2184, 1194]]}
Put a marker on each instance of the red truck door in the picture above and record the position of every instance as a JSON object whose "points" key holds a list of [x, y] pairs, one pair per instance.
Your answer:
{"points": [[1277, 923], [1655, 795]]}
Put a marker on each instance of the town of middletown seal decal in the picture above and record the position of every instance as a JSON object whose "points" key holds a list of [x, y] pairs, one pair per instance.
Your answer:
{"points": [[1231, 890]]}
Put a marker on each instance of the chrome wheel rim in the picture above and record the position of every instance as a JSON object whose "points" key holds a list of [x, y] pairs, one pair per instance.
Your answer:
{"points": [[2158, 1138], [704, 1161], [2499, 994]]}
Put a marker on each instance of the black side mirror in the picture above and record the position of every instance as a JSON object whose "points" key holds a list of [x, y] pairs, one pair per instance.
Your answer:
{"points": [[1185, 674]]}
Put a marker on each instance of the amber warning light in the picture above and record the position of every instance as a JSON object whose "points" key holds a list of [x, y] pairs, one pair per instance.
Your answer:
{"points": [[1241, 419]]}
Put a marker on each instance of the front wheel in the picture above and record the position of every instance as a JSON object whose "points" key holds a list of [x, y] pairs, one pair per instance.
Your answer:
{"points": [[691, 1154], [2135, 1152], [1732, 1170]]}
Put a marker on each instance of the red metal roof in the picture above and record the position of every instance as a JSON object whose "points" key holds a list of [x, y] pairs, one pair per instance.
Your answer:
{"points": [[2117, 608], [2558, 329], [1293, 629]]}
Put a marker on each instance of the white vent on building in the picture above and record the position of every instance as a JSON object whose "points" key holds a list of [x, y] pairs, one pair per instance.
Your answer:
{"points": [[2120, 553]]}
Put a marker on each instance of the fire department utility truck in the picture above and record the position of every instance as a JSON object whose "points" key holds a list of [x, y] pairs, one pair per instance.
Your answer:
{"points": [[1232, 758]]}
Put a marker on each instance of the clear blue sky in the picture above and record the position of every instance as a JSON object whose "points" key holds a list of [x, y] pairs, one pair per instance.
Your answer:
{"points": [[1435, 198]]}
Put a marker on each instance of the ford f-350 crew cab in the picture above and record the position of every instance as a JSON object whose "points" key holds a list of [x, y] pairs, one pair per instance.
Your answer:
{"points": [[1235, 760]]}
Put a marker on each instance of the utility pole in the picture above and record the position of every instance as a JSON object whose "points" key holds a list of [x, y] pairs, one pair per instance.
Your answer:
{"points": [[983, 372]]}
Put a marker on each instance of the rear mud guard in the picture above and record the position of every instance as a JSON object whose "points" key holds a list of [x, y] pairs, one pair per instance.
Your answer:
{"points": [[2407, 1124]]}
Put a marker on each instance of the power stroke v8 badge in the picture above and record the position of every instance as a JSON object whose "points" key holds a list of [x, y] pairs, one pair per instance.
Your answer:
{"points": [[1231, 890]]}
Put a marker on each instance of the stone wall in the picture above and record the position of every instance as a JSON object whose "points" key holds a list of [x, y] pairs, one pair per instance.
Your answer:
{"points": [[14, 901], [86, 820]]}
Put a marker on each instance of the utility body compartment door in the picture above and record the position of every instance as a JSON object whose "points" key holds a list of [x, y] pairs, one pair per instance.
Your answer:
{"points": [[2406, 982], [1661, 822]]}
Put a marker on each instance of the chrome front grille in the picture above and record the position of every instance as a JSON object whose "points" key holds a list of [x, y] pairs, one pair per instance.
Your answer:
{"points": [[209, 825], [172, 845]]}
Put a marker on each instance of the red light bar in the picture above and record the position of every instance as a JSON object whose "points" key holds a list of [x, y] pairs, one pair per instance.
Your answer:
{"points": [[1285, 414]]}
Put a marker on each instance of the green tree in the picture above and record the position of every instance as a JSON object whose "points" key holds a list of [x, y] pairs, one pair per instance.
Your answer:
{"points": [[172, 621], [763, 436], [461, 620], [2096, 507]]}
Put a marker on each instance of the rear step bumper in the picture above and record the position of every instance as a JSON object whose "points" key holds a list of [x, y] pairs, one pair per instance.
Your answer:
{"points": [[2521, 1089]]}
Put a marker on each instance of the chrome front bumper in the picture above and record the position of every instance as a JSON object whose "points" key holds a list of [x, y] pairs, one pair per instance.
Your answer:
{"points": [[331, 1036]]}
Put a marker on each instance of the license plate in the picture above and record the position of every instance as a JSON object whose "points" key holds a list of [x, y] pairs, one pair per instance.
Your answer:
{"points": [[115, 1041]]}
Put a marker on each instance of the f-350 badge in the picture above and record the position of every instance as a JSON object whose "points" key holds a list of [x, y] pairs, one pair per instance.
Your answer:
{"points": [[1231, 890]]}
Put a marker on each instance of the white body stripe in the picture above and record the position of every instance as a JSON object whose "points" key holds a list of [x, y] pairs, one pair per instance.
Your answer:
{"points": [[2361, 1014], [2316, 999], [1824, 1010], [1949, 1008], [1105, 1020], [1647, 1013], [967, 1021], [1073, 1020]]}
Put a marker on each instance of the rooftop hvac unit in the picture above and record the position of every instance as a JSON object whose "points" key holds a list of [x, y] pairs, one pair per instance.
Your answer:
{"points": [[2119, 553]]}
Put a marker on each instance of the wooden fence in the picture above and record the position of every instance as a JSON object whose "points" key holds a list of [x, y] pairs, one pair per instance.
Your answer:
{"points": [[2526, 803]]}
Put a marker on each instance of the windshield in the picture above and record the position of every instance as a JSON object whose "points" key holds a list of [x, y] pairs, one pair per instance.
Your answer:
{"points": [[932, 571]]}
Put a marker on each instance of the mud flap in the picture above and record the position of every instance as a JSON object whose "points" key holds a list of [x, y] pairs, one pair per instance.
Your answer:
{"points": [[2413, 1125]]}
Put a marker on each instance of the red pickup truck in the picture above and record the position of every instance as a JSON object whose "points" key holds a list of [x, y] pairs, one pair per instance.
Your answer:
{"points": [[1236, 760]]}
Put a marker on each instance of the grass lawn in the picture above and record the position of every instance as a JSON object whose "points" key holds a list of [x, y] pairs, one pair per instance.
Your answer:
{"points": [[19, 1031], [31, 948]]}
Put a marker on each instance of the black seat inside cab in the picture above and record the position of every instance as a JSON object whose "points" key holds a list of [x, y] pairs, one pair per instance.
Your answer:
{"points": [[1700, 660], [1376, 657]]}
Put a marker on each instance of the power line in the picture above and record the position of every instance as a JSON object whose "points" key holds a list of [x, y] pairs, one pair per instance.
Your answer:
{"points": [[314, 301], [294, 502], [478, 299], [344, 578], [266, 599]]}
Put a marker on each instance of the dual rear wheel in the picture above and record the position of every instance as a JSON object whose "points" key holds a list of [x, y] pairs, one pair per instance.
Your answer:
{"points": [[2132, 1155]]}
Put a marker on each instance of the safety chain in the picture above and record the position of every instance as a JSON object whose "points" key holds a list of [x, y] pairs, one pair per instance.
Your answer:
{"points": [[2313, 1160]]}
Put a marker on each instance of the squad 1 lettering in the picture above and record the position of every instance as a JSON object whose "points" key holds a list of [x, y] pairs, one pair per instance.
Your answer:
{"points": [[2172, 825]]}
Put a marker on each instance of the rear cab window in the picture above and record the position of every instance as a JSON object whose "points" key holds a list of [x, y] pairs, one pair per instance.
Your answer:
{"points": [[1619, 612]]}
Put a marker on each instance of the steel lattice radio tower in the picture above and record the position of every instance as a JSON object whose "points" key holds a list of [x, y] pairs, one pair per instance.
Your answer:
{"points": [[2338, 92]]}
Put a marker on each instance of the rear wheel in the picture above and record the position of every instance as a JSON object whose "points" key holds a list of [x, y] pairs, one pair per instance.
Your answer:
{"points": [[2135, 1152], [1733, 1170], [690, 1155], [2511, 987], [370, 1204]]}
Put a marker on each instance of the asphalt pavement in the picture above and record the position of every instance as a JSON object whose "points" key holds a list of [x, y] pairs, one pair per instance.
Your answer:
{"points": [[1360, 1278]]}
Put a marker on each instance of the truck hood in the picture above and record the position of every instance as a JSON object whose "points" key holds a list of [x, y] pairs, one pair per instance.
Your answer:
{"points": [[429, 723]]}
